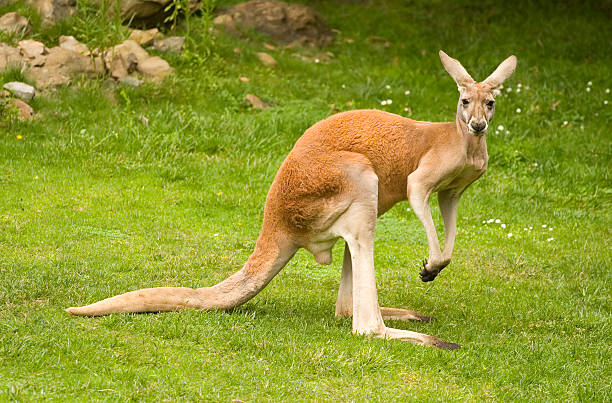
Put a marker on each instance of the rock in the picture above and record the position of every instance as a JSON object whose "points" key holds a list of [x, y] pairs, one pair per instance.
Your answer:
{"points": [[256, 102], [170, 44], [9, 57], [131, 81], [70, 43], [144, 38], [149, 13], [60, 65], [31, 49], [122, 59], [26, 112], [20, 90], [53, 11], [154, 67], [14, 23], [285, 23], [227, 22], [267, 60]]}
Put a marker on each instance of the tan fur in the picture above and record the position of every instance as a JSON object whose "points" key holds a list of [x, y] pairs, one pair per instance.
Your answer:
{"points": [[342, 174]]}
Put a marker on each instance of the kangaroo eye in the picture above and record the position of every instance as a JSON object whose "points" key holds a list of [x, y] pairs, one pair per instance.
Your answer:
{"points": [[490, 104], [465, 101]]}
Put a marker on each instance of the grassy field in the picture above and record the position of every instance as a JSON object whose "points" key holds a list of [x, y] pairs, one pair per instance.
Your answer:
{"points": [[94, 203]]}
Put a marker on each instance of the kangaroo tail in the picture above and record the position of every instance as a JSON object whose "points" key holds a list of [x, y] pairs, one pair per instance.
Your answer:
{"points": [[268, 258]]}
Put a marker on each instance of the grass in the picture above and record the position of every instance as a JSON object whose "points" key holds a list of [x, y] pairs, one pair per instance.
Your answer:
{"points": [[95, 203]]}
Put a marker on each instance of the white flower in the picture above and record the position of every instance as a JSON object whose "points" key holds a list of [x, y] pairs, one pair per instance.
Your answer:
{"points": [[605, 102], [509, 234], [496, 132], [383, 102], [530, 228], [484, 221], [407, 92], [317, 61], [518, 110], [500, 127], [607, 90], [388, 86], [525, 229], [519, 85], [408, 209], [490, 220], [565, 123], [543, 225], [518, 90], [550, 229], [507, 131], [588, 89], [590, 83], [343, 86], [508, 89], [406, 109], [389, 101], [497, 221], [550, 239], [215, 234], [503, 225]]}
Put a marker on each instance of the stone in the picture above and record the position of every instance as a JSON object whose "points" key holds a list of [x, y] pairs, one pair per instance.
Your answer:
{"points": [[285, 23], [154, 67], [10, 57], [60, 65], [26, 112], [267, 60], [150, 13], [256, 102], [14, 23], [20, 90], [172, 44], [53, 11], [31, 49], [70, 43], [144, 38], [131, 81], [122, 59], [226, 22]]}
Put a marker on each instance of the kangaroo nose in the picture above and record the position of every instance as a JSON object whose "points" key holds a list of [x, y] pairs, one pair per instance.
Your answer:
{"points": [[478, 126]]}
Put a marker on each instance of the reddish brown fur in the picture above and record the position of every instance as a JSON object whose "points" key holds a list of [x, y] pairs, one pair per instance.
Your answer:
{"points": [[341, 174]]}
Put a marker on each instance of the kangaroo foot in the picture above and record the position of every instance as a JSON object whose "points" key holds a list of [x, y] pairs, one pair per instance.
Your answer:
{"points": [[416, 338], [403, 314]]}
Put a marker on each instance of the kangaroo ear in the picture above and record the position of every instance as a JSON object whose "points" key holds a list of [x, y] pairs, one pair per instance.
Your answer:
{"points": [[501, 73], [456, 70]]}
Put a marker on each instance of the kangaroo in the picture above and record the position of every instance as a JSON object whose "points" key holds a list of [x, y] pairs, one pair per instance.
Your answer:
{"points": [[342, 174]]}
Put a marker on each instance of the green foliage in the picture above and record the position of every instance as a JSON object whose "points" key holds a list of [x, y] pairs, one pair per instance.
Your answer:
{"points": [[116, 188]]}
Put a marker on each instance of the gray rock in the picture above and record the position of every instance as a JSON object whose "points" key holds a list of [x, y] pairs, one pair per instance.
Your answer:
{"points": [[52, 11], [284, 22], [13, 23], [170, 44], [131, 81], [20, 90]]}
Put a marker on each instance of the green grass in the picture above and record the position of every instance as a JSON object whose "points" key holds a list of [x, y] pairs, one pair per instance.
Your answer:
{"points": [[94, 203]]}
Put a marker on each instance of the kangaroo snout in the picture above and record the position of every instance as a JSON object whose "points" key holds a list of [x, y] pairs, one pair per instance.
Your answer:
{"points": [[478, 127]]}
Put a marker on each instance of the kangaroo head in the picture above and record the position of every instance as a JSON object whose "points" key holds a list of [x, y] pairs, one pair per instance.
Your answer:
{"points": [[476, 105]]}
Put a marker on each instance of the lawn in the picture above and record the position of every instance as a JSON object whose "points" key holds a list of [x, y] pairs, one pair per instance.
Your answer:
{"points": [[95, 202]]}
